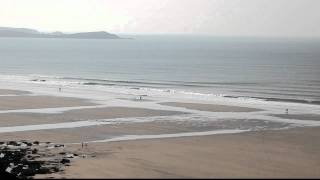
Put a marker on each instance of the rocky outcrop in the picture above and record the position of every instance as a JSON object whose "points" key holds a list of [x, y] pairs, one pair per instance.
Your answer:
{"points": [[23, 159]]}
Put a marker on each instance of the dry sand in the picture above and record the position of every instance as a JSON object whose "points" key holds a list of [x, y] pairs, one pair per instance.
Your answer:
{"points": [[19, 119], [291, 153], [210, 107], [34, 102]]}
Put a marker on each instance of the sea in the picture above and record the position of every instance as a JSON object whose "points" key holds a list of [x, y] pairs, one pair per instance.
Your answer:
{"points": [[269, 69]]}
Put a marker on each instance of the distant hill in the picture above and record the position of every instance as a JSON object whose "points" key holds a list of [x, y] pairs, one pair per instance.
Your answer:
{"points": [[31, 33]]}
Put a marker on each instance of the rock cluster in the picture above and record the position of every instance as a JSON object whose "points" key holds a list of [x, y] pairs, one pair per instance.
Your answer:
{"points": [[23, 159]]}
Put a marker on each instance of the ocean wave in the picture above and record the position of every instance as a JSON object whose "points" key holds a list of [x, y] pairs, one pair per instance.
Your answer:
{"points": [[158, 83], [301, 94], [303, 101], [166, 88]]}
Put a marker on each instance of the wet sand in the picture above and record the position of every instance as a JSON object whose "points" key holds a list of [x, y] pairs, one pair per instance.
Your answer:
{"points": [[267, 154], [290, 153], [101, 132], [313, 117], [20, 119], [210, 107], [92, 133], [12, 92], [34, 102]]}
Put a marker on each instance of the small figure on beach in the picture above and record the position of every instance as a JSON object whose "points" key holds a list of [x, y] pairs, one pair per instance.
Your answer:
{"points": [[82, 145], [60, 89], [141, 97], [287, 111]]}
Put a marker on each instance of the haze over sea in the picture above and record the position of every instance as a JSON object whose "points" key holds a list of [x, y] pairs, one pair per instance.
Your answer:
{"points": [[272, 69]]}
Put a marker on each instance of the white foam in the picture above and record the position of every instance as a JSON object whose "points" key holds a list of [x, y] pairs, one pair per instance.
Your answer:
{"points": [[51, 126], [8, 95], [76, 124], [50, 110], [175, 118], [109, 96], [162, 136]]}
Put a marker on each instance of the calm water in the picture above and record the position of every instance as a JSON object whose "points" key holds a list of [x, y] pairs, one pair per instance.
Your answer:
{"points": [[279, 69]]}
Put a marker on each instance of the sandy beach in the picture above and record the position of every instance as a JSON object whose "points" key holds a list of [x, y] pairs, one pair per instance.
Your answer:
{"points": [[314, 117], [159, 139], [269, 154], [110, 130], [211, 107], [34, 102], [19, 119], [12, 92]]}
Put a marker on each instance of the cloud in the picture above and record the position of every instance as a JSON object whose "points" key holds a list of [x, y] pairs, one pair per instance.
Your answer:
{"points": [[215, 17]]}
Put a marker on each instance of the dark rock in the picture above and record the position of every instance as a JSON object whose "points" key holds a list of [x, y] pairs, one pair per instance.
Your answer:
{"points": [[27, 143], [24, 164], [59, 145], [29, 172], [44, 170], [36, 142], [64, 161], [35, 151], [13, 143], [6, 175]]}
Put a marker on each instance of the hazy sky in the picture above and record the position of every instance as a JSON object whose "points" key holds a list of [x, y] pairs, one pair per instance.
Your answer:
{"points": [[215, 17]]}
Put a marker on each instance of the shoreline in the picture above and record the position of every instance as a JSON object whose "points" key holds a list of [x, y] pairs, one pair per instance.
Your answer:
{"points": [[211, 107], [157, 136], [56, 82]]}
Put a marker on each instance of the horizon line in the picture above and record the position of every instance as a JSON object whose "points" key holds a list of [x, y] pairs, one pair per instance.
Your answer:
{"points": [[175, 34]]}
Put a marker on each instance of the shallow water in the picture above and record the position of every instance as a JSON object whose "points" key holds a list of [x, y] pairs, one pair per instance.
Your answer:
{"points": [[273, 69]]}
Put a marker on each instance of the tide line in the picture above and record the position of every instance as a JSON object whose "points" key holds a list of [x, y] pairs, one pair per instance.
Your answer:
{"points": [[162, 136], [77, 124], [53, 110], [51, 126]]}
